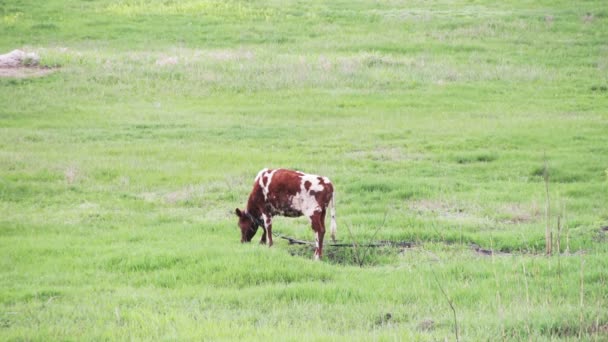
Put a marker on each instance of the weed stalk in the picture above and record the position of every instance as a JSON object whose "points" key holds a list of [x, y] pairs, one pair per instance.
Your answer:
{"points": [[548, 234], [582, 298], [450, 302], [498, 297], [523, 265]]}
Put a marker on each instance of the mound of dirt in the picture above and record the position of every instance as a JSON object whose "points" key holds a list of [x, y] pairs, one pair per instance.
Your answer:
{"points": [[20, 64], [18, 58]]}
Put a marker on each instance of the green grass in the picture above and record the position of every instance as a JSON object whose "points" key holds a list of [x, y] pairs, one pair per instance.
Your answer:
{"points": [[120, 172]]}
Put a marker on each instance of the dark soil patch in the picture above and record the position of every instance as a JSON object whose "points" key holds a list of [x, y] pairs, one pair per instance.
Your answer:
{"points": [[349, 255]]}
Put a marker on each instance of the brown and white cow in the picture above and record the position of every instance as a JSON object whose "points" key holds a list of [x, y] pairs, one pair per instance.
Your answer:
{"points": [[291, 194]]}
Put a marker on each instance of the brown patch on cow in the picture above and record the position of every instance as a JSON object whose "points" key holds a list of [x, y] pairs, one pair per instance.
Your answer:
{"points": [[307, 185], [324, 197], [288, 182], [264, 180]]}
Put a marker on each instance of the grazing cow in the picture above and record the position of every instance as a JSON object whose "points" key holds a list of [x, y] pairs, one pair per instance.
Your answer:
{"points": [[291, 194]]}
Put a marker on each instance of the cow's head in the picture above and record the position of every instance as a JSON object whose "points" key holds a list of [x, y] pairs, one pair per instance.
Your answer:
{"points": [[247, 224]]}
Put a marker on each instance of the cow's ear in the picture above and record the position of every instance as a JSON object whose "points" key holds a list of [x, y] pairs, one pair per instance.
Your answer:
{"points": [[238, 212]]}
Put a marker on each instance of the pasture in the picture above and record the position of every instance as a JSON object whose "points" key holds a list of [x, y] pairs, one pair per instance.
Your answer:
{"points": [[436, 122]]}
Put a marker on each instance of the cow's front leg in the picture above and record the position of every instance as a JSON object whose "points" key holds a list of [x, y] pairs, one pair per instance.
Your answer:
{"points": [[263, 239], [318, 226], [267, 229]]}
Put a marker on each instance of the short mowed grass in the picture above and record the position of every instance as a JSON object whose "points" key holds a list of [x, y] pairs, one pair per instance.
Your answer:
{"points": [[120, 171]]}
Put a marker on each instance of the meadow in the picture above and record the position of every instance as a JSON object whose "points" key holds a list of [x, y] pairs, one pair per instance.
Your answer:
{"points": [[437, 121]]}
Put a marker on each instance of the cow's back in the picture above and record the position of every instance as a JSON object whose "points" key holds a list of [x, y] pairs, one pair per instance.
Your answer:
{"points": [[293, 193]]}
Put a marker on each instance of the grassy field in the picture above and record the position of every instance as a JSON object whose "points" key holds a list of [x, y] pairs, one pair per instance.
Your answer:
{"points": [[120, 172]]}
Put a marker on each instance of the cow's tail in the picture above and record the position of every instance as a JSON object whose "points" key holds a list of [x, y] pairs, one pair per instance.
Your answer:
{"points": [[332, 211]]}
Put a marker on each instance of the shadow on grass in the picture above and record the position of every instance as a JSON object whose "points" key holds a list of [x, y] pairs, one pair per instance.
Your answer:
{"points": [[351, 256]]}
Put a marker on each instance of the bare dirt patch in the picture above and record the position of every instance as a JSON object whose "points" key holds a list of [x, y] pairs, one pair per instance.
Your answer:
{"points": [[26, 72], [426, 325], [20, 64]]}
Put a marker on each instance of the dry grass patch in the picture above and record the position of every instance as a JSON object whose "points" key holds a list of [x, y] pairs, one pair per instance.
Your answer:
{"points": [[71, 174], [26, 72], [182, 195], [518, 213], [163, 61], [229, 55], [442, 208], [386, 154], [510, 213]]}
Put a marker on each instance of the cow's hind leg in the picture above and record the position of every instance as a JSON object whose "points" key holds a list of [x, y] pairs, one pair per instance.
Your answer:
{"points": [[318, 226]]}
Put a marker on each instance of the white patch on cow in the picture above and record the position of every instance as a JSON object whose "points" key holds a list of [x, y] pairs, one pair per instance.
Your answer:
{"points": [[268, 175], [267, 221], [304, 201], [258, 178], [317, 240], [315, 185], [264, 218]]}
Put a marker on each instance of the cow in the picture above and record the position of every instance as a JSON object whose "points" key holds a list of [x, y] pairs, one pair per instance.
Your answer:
{"points": [[291, 194]]}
